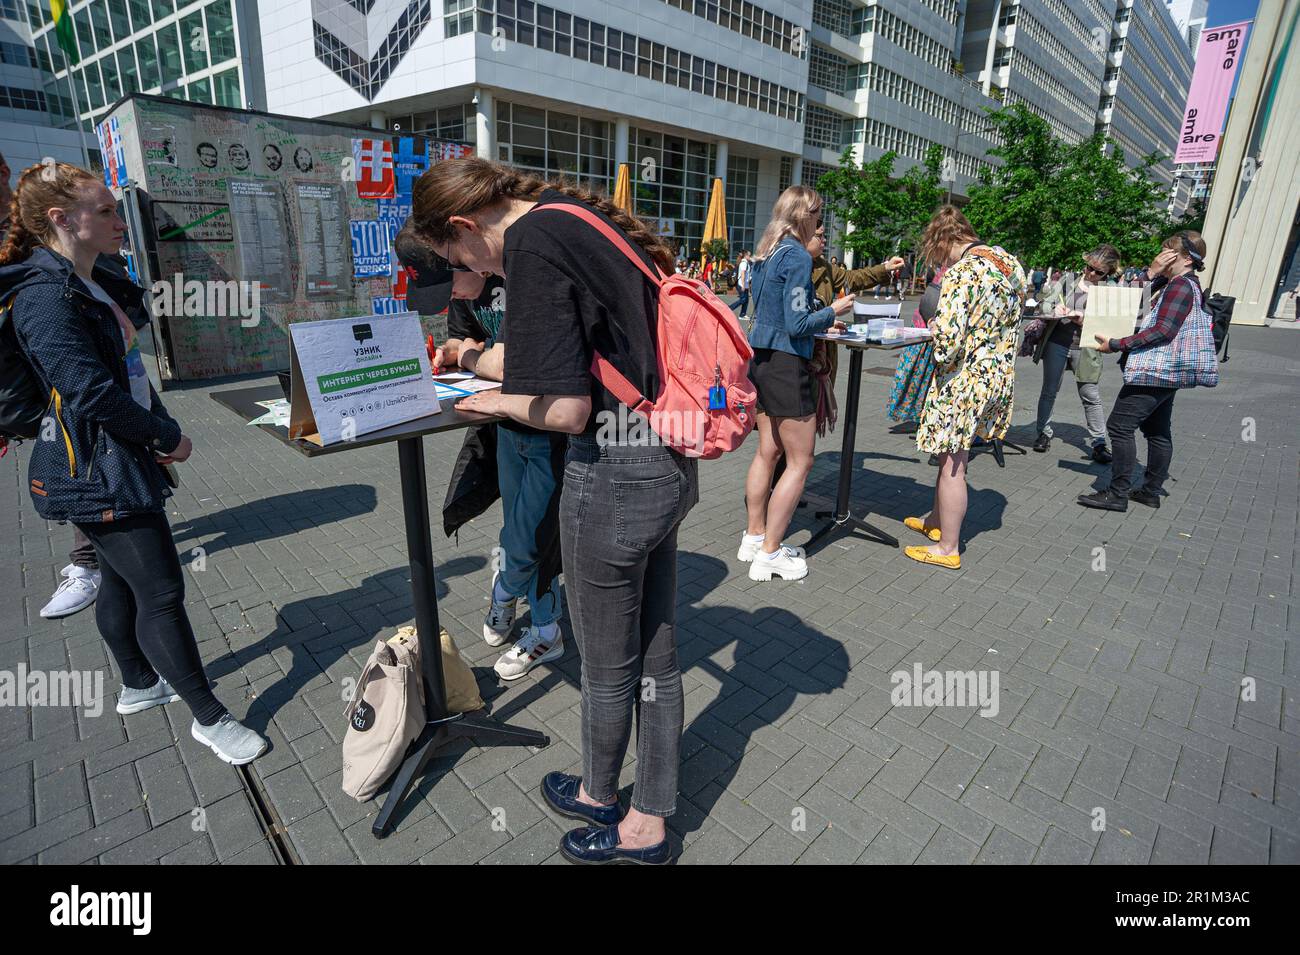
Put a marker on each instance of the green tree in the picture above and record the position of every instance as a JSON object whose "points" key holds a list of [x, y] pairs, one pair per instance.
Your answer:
{"points": [[1050, 202], [919, 195], [865, 197], [887, 214]]}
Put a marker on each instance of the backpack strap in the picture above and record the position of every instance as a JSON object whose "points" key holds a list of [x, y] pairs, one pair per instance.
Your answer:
{"points": [[610, 377], [588, 215]]}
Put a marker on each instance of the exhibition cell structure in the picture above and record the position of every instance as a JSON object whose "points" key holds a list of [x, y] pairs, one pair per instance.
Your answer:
{"points": [[241, 223]]}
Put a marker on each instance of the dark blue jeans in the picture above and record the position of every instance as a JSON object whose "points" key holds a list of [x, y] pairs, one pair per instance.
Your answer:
{"points": [[741, 304], [619, 513]]}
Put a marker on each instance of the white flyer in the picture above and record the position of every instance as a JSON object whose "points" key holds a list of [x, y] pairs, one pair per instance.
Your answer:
{"points": [[351, 376]]}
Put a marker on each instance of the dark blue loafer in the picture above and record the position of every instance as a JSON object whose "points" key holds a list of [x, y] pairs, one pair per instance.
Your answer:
{"points": [[560, 790], [594, 845]]}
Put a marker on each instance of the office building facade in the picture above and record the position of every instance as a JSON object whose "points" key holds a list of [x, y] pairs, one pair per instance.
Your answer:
{"points": [[759, 94]]}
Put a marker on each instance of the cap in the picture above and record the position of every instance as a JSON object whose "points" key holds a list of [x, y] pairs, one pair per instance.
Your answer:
{"points": [[428, 290]]}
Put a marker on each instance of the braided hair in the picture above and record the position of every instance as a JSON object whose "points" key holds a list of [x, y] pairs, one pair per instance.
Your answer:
{"points": [[40, 188]]}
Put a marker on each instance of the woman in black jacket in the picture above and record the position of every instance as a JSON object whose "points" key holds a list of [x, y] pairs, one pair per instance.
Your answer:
{"points": [[99, 460]]}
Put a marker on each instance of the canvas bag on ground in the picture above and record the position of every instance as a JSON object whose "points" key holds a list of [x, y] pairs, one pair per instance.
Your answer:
{"points": [[387, 710]]}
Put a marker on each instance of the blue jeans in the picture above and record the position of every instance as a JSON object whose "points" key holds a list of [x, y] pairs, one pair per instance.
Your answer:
{"points": [[527, 484], [618, 525], [741, 304]]}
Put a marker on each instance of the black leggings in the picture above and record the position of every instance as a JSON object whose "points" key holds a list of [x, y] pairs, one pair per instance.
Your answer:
{"points": [[141, 610]]}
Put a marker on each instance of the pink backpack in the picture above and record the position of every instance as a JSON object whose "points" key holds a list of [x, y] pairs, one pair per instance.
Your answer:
{"points": [[705, 405]]}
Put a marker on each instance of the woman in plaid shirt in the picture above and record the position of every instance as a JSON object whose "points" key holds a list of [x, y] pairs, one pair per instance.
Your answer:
{"points": [[1148, 407]]}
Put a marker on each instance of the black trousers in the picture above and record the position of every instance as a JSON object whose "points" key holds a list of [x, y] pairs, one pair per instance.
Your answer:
{"points": [[140, 610], [1150, 409]]}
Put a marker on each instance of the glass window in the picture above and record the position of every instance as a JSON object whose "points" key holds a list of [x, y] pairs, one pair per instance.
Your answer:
{"points": [[99, 20], [121, 22], [85, 37], [95, 85], [221, 31], [112, 88], [126, 69], [139, 13], [194, 42], [200, 92], [148, 57], [169, 54], [162, 8], [227, 88]]}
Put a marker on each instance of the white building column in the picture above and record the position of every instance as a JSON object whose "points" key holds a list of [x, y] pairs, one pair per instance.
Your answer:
{"points": [[622, 129], [485, 124], [796, 171], [378, 120], [720, 163]]}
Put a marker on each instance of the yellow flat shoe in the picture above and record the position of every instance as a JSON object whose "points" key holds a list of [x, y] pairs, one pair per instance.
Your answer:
{"points": [[919, 553], [918, 525]]}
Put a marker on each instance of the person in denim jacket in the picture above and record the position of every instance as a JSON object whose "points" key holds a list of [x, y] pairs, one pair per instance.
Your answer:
{"points": [[787, 316]]}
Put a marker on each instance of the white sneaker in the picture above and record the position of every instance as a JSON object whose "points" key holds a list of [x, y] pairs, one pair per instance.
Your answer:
{"points": [[786, 564], [529, 651], [500, 618], [78, 591], [749, 549]]}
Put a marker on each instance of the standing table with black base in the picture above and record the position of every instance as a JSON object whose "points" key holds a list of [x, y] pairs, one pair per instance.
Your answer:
{"points": [[839, 520], [442, 727]]}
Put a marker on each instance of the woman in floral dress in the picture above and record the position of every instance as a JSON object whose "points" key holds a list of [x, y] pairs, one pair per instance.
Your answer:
{"points": [[974, 353]]}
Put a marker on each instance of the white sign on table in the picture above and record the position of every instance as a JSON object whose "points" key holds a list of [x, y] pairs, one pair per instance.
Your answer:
{"points": [[352, 376], [1111, 312]]}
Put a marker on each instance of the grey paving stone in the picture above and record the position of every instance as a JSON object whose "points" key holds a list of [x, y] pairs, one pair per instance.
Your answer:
{"points": [[1118, 689]]}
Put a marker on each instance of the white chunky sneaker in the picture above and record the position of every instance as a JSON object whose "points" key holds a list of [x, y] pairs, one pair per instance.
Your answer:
{"points": [[750, 548], [77, 591], [537, 645], [500, 618], [230, 739], [131, 700], [785, 564]]}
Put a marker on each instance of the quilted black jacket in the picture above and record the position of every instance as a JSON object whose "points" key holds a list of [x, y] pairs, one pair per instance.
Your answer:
{"points": [[94, 459]]}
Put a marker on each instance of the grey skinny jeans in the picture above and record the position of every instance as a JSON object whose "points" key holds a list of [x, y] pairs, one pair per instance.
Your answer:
{"points": [[1055, 358], [619, 513]]}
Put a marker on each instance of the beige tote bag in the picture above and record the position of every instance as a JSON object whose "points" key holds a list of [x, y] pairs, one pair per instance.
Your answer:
{"points": [[387, 710]]}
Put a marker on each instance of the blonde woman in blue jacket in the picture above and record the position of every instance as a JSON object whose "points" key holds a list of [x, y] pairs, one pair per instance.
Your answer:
{"points": [[787, 316]]}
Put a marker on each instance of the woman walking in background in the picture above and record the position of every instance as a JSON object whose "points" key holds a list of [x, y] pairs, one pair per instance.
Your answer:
{"points": [[104, 472], [975, 331], [787, 315]]}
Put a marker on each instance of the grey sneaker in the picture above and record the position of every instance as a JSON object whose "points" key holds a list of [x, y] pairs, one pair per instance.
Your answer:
{"points": [[500, 618], [230, 739], [131, 700]]}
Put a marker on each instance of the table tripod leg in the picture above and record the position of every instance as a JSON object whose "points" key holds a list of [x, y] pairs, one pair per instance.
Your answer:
{"points": [[487, 732], [412, 767]]}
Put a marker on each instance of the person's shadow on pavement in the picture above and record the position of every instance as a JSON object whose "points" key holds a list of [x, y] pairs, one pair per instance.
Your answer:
{"points": [[282, 515], [318, 633]]}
